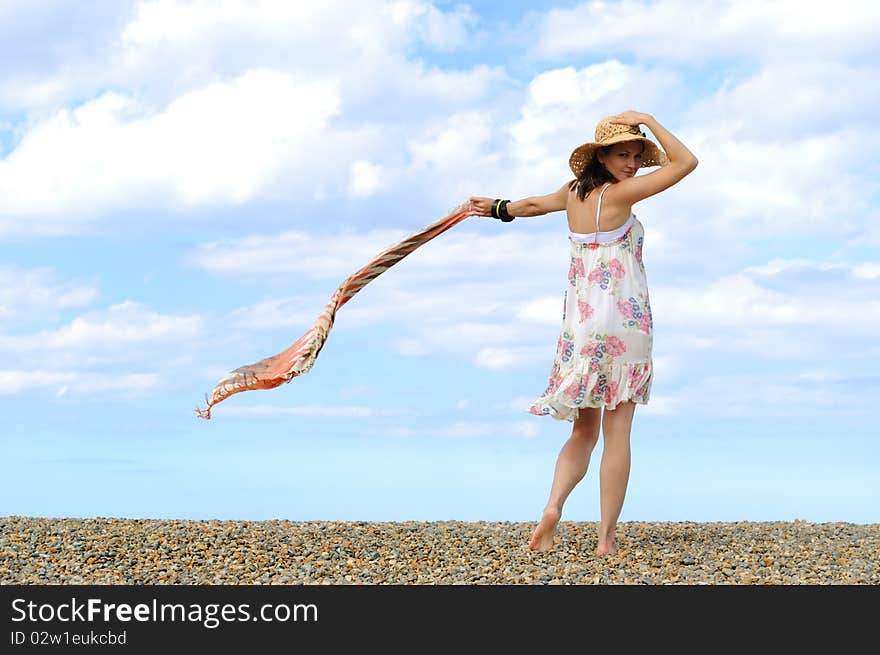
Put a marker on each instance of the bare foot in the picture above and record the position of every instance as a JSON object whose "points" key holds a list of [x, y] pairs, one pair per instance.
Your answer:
{"points": [[542, 539], [607, 546]]}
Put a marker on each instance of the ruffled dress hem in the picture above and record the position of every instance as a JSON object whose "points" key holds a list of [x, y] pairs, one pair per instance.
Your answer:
{"points": [[629, 381]]}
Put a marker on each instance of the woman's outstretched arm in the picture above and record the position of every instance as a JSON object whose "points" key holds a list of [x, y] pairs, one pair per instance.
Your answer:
{"points": [[531, 206]]}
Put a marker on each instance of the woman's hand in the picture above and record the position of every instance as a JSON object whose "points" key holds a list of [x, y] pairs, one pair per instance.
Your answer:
{"points": [[631, 118], [481, 206]]}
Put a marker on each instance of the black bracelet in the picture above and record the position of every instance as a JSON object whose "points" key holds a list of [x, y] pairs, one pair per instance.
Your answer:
{"points": [[499, 210]]}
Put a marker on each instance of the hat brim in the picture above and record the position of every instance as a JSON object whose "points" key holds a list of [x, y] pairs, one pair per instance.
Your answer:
{"points": [[581, 156]]}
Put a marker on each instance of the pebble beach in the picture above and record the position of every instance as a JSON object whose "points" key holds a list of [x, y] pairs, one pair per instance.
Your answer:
{"points": [[58, 551]]}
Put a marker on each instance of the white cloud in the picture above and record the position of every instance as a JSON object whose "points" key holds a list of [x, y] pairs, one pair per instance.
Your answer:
{"points": [[444, 145], [799, 268], [497, 358], [558, 101], [787, 99], [546, 310], [16, 381], [318, 256], [223, 143], [686, 31], [366, 178], [29, 293], [67, 383], [444, 31], [162, 23], [423, 90], [124, 324], [669, 365], [120, 327], [777, 188], [122, 350], [866, 271], [811, 295], [273, 314], [662, 405]]}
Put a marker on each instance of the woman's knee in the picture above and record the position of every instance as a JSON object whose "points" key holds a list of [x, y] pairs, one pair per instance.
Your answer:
{"points": [[620, 417], [586, 425]]}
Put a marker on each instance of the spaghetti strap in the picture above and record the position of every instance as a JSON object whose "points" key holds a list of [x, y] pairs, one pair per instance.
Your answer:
{"points": [[598, 209]]}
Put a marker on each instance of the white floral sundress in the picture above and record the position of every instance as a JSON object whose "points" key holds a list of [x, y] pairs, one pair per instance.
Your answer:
{"points": [[603, 356]]}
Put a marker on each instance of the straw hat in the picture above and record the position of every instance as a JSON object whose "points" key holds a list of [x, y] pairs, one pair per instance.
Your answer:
{"points": [[608, 133]]}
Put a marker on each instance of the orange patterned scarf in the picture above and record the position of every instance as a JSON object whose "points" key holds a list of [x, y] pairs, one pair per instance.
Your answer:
{"points": [[299, 358]]}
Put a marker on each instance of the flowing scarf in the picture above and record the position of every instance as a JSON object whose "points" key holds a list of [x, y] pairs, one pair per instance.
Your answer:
{"points": [[299, 358]]}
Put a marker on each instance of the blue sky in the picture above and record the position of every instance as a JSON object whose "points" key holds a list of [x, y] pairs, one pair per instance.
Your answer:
{"points": [[183, 186]]}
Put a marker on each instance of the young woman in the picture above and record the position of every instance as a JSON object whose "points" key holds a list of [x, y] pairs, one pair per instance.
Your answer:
{"points": [[603, 364]]}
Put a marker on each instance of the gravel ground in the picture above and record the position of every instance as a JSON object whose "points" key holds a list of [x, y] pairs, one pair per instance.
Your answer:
{"points": [[142, 551]]}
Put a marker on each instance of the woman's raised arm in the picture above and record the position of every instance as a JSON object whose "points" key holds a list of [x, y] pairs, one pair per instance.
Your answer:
{"points": [[681, 163]]}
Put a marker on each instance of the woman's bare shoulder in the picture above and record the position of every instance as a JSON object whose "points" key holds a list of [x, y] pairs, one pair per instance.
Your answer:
{"points": [[573, 189]]}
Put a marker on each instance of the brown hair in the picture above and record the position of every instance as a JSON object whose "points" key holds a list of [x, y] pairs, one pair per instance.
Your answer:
{"points": [[594, 174]]}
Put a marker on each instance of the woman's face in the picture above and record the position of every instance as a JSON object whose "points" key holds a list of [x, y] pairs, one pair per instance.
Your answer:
{"points": [[624, 159]]}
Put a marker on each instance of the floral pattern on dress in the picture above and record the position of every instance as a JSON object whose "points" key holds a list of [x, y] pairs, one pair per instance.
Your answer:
{"points": [[636, 313], [606, 272], [635, 375], [600, 346], [604, 390], [584, 309], [565, 346], [576, 269]]}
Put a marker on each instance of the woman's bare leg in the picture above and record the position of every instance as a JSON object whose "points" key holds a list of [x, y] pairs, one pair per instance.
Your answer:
{"points": [[614, 471], [571, 466]]}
